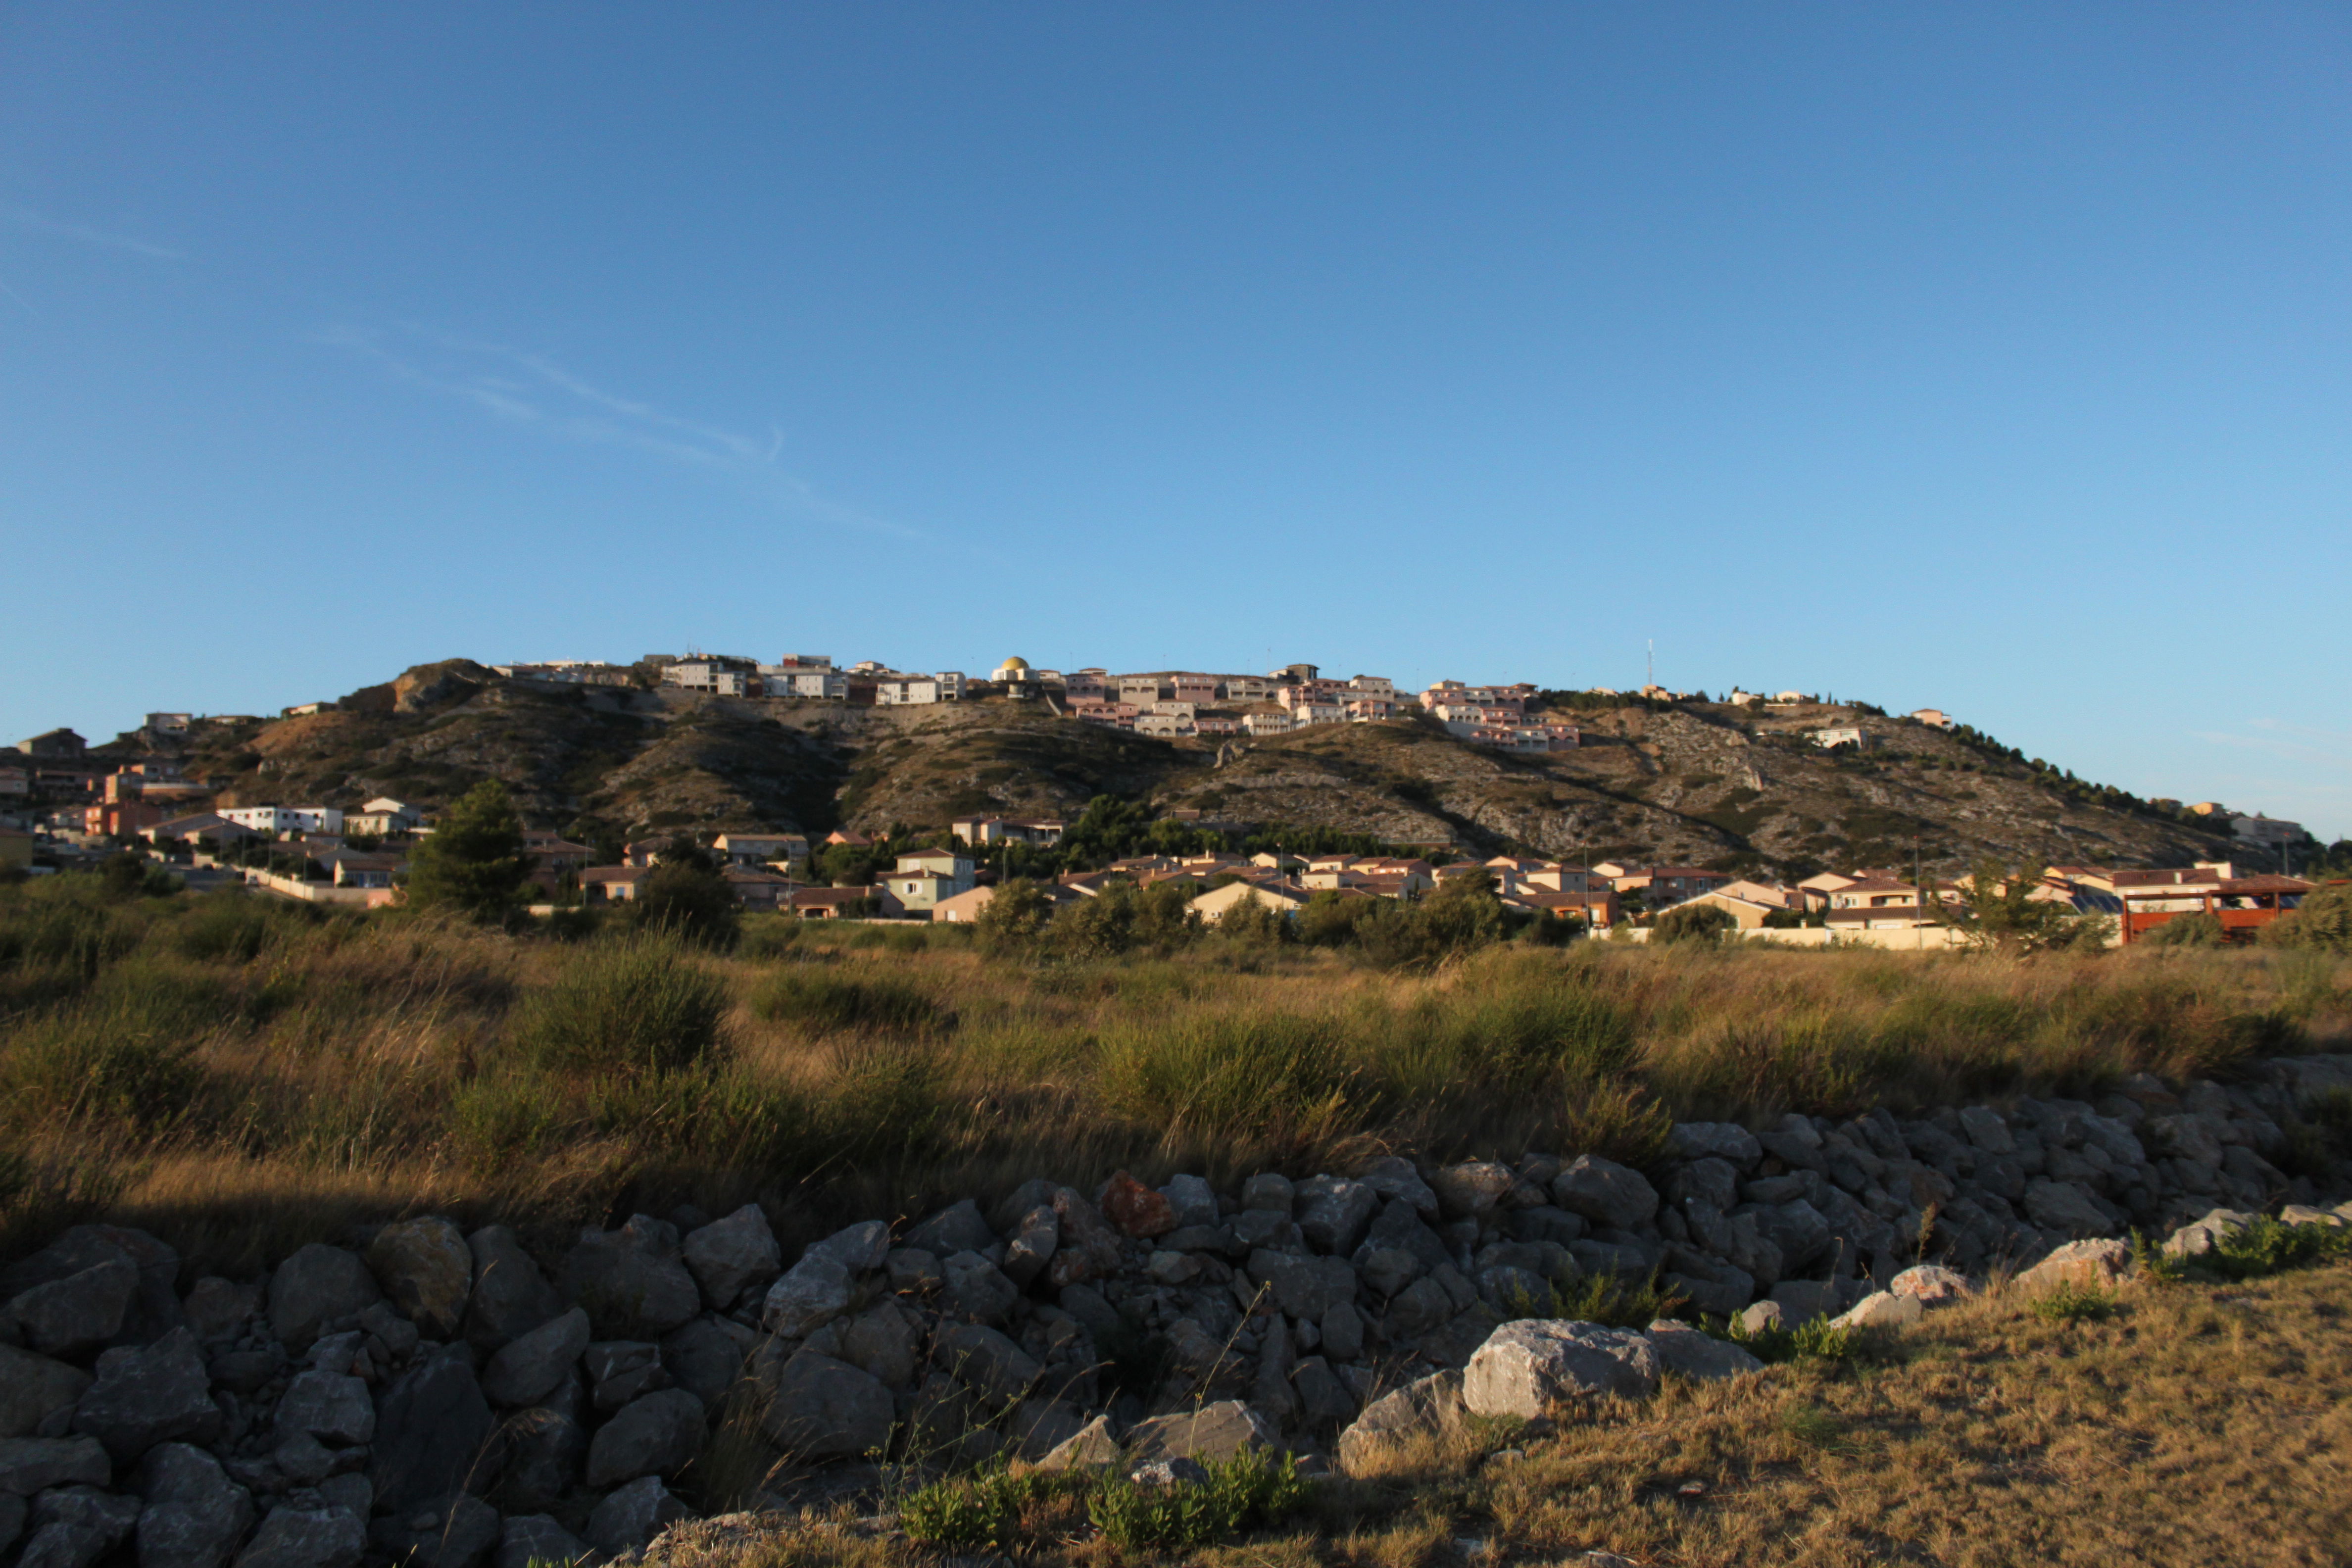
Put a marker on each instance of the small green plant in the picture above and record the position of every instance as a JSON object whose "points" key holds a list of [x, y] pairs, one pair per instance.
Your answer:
{"points": [[1815, 1339], [965, 1513], [2074, 1302], [2271, 1245], [2155, 1265], [1605, 1298], [1816, 1428], [1247, 1489]]}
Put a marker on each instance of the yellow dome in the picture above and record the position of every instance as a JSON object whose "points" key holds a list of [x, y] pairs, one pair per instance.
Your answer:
{"points": [[1015, 662]]}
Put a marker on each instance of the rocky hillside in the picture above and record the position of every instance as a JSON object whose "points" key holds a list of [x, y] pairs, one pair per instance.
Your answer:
{"points": [[1696, 782]]}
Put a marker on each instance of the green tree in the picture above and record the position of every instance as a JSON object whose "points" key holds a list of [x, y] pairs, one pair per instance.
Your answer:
{"points": [[472, 862], [1015, 918], [1700, 923], [2323, 921], [685, 898], [1997, 909]]}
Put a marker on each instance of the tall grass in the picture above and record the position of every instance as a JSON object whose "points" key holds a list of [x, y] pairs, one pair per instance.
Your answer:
{"points": [[257, 1071]]}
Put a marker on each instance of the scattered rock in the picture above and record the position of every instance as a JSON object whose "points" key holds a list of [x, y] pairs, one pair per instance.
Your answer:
{"points": [[1332, 1212], [1881, 1310], [620, 1371], [960, 1227], [995, 1369], [1932, 1285], [1088, 1248], [1092, 1447], [218, 1310], [1218, 1431], [706, 1359], [2064, 1208], [2197, 1239], [978, 1288], [426, 1269], [1684, 1349], [1191, 1200], [1536, 1365], [2092, 1263], [1303, 1287], [1031, 1247], [1430, 1407]]}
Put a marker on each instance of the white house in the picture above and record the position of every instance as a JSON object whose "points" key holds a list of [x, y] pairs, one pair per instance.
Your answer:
{"points": [[804, 675], [382, 816], [923, 880], [274, 820], [759, 848]]}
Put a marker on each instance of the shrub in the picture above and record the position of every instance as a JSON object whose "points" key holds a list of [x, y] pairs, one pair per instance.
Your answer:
{"points": [[229, 927], [966, 1513], [1698, 923], [1250, 1488], [2074, 1302], [631, 1007], [1815, 1339], [826, 1002], [683, 897], [472, 862], [1230, 1074], [2323, 921], [2271, 1245], [2186, 931]]}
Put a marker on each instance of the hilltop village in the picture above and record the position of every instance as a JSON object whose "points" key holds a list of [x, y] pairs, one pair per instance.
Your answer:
{"points": [[72, 802]]}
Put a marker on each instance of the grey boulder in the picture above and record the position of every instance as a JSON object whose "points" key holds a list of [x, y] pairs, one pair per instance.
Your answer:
{"points": [[149, 1395], [631, 1282], [1686, 1352], [728, 1255], [448, 1532], [69, 1315], [433, 1432], [659, 1435], [33, 1388], [426, 1268], [1303, 1287], [194, 1514], [312, 1289], [1606, 1193], [510, 1297], [29, 1466], [811, 1293], [958, 1227], [1332, 1212], [1536, 1366], [330, 1407], [629, 1519], [532, 1538], [73, 1527], [825, 1408], [306, 1538], [1218, 1431], [530, 1366], [1427, 1407]]}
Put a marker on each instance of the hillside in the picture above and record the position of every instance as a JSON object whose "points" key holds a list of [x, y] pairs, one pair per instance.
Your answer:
{"points": [[1697, 782]]}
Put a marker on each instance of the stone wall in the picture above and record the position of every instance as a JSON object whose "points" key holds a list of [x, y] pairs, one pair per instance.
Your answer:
{"points": [[426, 1393]]}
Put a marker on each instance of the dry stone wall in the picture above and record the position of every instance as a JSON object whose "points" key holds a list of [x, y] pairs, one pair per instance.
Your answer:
{"points": [[433, 1396]]}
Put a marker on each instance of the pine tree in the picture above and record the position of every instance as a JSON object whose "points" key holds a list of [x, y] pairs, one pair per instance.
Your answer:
{"points": [[472, 862]]}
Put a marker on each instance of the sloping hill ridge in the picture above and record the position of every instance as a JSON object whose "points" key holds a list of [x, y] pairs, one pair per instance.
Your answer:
{"points": [[1691, 783]]}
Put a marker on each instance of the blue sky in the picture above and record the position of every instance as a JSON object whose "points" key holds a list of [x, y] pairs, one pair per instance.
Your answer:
{"points": [[1989, 357]]}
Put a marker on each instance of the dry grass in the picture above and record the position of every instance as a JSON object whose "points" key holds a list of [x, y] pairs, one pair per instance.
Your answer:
{"points": [[244, 1077], [2196, 1424]]}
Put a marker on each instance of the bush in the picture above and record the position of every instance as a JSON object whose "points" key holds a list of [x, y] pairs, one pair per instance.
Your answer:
{"points": [[2186, 931], [472, 862], [686, 899], [826, 1002], [1815, 1339], [633, 1008], [2271, 1245], [968, 1513], [2324, 922], [229, 927], [1699, 923], [1250, 1488], [1229, 1075], [2074, 1302]]}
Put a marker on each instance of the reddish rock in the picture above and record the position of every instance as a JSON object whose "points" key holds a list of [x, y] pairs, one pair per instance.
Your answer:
{"points": [[1136, 1209]]}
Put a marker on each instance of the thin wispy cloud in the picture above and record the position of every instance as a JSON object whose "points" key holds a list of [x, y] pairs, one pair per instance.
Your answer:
{"points": [[81, 233], [530, 389]]}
